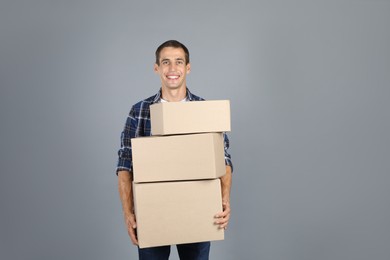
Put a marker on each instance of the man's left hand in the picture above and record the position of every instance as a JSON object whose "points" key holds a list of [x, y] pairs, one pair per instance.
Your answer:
{"points": [[222, 218]]}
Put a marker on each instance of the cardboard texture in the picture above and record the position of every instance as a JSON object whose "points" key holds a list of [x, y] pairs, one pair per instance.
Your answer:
{"points": [[190, 117], [177, 212], [178, 157]]}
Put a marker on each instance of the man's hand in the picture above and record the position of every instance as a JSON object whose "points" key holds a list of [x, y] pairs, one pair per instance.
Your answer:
{"points": [[132, 228], [224, 216], [125, 179]]}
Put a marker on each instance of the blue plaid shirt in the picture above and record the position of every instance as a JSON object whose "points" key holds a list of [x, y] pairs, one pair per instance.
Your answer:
{"points": [[138, 124]]}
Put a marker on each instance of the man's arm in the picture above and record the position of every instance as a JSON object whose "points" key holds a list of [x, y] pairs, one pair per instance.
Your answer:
{"points": [[226, 183], [125, 179]]}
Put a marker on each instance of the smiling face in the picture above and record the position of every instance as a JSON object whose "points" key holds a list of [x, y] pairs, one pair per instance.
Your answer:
{"points": [[172, 68]]}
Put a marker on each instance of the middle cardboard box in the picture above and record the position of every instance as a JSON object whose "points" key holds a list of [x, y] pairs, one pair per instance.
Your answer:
{"points": [[178, 157]]}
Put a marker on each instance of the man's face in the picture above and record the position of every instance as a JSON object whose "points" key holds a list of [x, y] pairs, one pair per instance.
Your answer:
{"points": [[173, 68]]}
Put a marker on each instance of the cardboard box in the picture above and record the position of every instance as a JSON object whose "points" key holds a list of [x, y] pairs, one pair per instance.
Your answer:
{"points": [[190, 117], [181, 212], [178, 157]]}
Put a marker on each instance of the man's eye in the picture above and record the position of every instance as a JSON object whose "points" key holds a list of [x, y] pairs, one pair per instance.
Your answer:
{"points": [[180, 62], [165, 62]]}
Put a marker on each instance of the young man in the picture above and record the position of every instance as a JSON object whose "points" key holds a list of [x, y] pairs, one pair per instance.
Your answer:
{"points": [[172, 65]]}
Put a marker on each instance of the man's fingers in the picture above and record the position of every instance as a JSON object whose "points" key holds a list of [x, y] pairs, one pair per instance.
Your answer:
{"points": [[222, 218], [133, 235], [223, 213], [132, 229]]}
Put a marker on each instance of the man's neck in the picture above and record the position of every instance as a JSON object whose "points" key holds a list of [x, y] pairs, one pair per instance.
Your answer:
{"points": [[173, 95]]}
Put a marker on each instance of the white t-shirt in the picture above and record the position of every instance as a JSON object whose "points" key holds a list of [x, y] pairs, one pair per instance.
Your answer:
{"points": [[163, 100]]}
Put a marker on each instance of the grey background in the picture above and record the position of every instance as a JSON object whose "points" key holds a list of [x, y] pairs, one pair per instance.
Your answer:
{"points": [[309, 87]]}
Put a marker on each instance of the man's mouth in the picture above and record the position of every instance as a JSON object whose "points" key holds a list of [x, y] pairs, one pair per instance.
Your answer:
{"points": [[173, 76]]}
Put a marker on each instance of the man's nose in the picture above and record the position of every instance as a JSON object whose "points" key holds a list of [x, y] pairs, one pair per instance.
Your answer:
{"points": [[172, 67]]}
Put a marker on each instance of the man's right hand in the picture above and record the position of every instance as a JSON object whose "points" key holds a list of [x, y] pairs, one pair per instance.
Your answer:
{"points": [[132, 228], [125, 179]]}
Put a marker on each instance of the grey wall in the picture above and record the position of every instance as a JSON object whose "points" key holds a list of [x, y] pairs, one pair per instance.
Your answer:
{"points": [[309, 87]]}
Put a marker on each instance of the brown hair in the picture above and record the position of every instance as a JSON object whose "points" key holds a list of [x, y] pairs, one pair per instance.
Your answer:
{"points": [[174, 44]]}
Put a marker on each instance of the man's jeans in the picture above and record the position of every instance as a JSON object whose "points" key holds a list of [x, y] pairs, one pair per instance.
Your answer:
{"points": [[194, 251]]}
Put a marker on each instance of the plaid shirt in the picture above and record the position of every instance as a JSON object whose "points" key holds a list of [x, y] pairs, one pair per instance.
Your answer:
{"points": [[138, 124]]}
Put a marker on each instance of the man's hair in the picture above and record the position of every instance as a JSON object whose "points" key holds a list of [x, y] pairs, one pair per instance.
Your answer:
{"points": [[174, 44]]}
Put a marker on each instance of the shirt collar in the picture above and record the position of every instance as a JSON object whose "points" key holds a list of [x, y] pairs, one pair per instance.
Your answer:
{"points": [[156, 99]]}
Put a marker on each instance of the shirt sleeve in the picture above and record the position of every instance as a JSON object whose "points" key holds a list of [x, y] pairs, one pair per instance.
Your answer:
{"points": [[228, 158], [125, 162]]}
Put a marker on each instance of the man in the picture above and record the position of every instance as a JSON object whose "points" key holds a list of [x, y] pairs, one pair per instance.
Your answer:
{"points": [[172, 65]]}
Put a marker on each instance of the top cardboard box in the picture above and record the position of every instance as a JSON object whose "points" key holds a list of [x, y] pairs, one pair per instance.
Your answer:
{"points": [[170, 118]]}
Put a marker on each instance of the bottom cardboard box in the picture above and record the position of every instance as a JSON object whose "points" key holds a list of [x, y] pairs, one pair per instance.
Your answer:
{"points": [[181, 212]]}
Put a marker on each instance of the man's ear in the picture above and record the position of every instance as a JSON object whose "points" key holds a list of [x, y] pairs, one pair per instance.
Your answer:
{"points": [[155, 68], [188, 68]]}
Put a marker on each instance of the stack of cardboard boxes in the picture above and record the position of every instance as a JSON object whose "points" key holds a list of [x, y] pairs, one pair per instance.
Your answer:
{"points": [[176, 183]]}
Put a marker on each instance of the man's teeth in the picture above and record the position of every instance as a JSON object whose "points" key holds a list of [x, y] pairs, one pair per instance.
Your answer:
{"points": [[172, 77]]}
